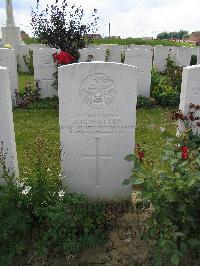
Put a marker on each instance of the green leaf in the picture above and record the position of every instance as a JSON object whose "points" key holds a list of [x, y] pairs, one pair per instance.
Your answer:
{"points": [[137, 181], [126, 181], [130, 158], [175, 260], [194, 242]]}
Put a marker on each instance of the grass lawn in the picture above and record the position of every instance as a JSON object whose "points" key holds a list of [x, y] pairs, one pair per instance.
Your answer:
{"points": [[31, 124]]}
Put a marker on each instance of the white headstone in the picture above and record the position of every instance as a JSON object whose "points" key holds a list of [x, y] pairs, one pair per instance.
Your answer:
{"points": [[190, 93], [184, 56], [161, 54], [91, 54], [8, 59], [7, 136], [198, 56], [97, 117], [142, 59], [44, 68], [114, 53], [21, 51]]}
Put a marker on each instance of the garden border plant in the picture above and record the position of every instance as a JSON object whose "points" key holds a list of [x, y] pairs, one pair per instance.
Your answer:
{"points": [[172, 195]]}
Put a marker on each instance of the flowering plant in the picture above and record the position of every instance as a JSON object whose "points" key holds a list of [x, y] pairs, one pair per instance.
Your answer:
{"points": [[37, 211], [173, 195]]}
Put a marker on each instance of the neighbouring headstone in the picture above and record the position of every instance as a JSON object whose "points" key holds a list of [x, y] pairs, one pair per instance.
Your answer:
{"points": [[44, 69], [8, 59], [7, 136], [142, 59], [113, 53], [198, 56], [97, 115], [161, 54], [21, 52], [91, 54], [190, 94], [184, 55]]}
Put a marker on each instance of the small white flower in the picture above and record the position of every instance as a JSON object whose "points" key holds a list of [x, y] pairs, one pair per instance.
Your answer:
{"points": [[20, 184], [26, 190], [61, 193], [60, 176], [48, 170], [162, 129]]}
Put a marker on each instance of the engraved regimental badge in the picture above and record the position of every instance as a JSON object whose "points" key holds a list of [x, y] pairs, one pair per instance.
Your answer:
{"points": [[98, 90]]}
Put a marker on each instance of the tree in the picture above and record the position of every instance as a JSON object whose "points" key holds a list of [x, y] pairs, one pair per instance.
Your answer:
{"points": [[173, 35], [62, 26]]}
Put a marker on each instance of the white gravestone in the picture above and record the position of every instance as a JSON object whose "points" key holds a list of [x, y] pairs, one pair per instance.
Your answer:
{"points": [[44, 68], [8, 59], [198, 56], [114, 53], [21, 51], [142, 59], [190, 93], [91, 54], [7, 135], [184, 56], [97, 118], [161, 54]]}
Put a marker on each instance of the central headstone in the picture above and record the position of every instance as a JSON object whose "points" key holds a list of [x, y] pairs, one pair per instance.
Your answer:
{"points": [[97, 122]]}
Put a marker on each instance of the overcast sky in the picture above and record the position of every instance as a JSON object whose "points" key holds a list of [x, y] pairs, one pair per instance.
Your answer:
{"points": [[128, 18]]}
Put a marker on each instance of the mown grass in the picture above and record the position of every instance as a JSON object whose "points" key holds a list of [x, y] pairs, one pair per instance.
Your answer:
{"points": [[138, 41], [31, 124], [23, 79]]}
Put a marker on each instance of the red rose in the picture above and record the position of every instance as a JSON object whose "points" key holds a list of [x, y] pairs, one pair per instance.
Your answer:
{"points": [[184, 149], [63, 58], [185, 152], [185, 155], [141, 155]]}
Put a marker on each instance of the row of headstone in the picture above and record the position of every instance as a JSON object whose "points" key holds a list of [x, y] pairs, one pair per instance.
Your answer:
{"points": [[99, 128]]}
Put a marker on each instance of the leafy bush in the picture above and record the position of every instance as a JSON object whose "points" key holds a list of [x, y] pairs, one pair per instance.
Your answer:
{"points": [[63, 26], [28, 96], [173, 197], [144, 102], [166, 87], [37, 212]]}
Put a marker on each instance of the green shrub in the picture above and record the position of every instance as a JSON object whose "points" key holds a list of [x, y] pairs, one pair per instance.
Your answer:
{"points": [[144, 102], [193, 60], [37, 212], [166, 86], [173, 196]]}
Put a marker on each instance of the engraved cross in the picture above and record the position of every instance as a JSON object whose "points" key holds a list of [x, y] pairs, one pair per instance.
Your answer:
{"points": [[97, 156]]}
